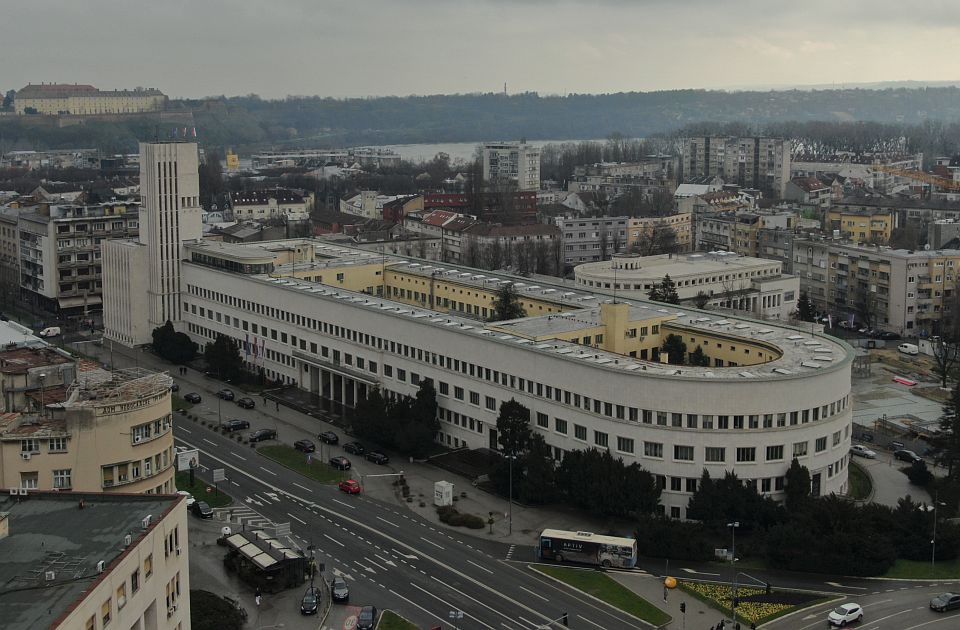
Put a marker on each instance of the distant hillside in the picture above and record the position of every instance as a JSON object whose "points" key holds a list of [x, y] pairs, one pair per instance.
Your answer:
{"points": [[248, 122]]}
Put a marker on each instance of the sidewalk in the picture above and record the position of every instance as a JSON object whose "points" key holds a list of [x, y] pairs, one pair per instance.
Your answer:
{"points": [[699, 616], [294, 424]]}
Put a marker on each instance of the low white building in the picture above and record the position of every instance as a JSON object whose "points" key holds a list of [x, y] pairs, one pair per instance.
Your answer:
{"points": [[756, 286]]}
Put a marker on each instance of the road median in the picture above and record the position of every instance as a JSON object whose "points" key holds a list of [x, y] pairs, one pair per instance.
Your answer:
{"points": [[304, 463]]}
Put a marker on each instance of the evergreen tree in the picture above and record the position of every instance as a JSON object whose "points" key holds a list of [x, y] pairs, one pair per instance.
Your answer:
{"points": [[699, 358], [676, 349], [513, 427], [668, 291], [506, 305], [223, 358], [369, 417], [701, 299], [655, 293], [949, 439], [797, 486], [176, 347], [805, 310]]}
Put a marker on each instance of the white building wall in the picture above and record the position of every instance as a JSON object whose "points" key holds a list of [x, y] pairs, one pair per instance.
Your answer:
{"points": [[125, 317], [762, 400]]}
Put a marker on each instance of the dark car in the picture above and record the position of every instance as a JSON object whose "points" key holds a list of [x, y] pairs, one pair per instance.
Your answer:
{"points": [[906, 455], [355, 448], [944, 602], [225, 394], [263, 434], [192, 397], [889, 336], [305, 445], [377, 457], [367, 619], [246, 403], [340, 462], [339, 590], [201, 509], [174, 388], [235, 424], [310, 602], [328, 437]]}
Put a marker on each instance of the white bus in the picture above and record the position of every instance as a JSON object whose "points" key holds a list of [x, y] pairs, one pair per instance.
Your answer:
{"points": [[587, 548]]}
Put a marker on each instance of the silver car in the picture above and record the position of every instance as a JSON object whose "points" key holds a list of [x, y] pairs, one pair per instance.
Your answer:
{"points": [[862, 451]]}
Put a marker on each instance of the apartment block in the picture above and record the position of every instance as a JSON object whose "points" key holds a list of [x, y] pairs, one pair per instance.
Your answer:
{"points": [[750, 162], [515, 162]]}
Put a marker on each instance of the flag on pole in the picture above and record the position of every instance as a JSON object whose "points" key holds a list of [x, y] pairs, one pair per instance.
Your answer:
{"points": [[263, 341], [246, 346], [254, 349], [194, 130], [184, 132]]}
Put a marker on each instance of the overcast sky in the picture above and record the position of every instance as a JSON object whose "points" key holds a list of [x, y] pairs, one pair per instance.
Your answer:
{"points": [[275, 48]]}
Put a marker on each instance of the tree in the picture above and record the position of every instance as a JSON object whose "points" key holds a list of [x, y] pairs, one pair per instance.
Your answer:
{"points": [[211, 178], [595, 481], [701, 299], [949, 439], [655, 293], [675, 349], [699, 358], [209, 611], [513, 427], [668, 291], [946, 353], [223, 358], [175, 347], [369, 418], [797, 482], [805, 310], [506, 305], [656, 239], [8, 99]]}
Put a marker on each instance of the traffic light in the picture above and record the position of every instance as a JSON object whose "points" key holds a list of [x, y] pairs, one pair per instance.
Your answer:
{"points": [[564, 620], [683, 607]]}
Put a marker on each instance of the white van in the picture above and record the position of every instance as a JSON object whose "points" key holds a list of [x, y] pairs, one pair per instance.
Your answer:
{"points": [[908, 348], [52, 331]]}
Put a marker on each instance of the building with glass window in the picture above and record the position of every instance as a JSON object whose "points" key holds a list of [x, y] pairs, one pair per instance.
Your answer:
{"points": [[103, 432], [92, 561], [589, 368]]}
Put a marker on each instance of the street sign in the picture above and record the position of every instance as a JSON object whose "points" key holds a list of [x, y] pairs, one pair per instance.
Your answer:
{"points": [[219, 474], [187, 459]]}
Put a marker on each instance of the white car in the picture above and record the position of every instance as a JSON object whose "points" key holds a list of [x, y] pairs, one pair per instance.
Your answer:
{"points": [[847, 613], [862, 451], [190, 499]]}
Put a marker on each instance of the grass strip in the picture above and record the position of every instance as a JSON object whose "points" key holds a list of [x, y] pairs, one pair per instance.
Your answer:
{"points": [[390, 620], [605, 588], [215, 498], [297, 461]]}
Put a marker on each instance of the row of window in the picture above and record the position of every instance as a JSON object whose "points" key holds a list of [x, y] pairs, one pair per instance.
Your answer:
{"points": [[503, 379], [54, 445]]}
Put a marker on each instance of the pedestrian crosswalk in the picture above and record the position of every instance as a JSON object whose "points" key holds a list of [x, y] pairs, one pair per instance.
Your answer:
{"points": [[510, 552]]}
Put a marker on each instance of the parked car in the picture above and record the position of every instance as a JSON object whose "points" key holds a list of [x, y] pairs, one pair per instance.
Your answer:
{"points": [[50, 331], [174, 388], [339, 590], [893, 446], [235, 424], [225, 394], [263, 434], [889, 336], [246, 403], [866, 437], [844, 614], [355, 448], [377, 458], [328, 437], [367, 619], [906, 455], [944, 602], [190, 499], [305, 445], [862, 451], [192, 397], [909, 348], [340, 462], [350, 486], [310, 602], [201, 509]]}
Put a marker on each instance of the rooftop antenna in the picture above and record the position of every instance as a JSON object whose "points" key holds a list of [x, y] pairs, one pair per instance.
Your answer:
{"points": [[504, 88]]}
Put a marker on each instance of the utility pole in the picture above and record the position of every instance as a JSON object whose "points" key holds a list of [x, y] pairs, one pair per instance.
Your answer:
{"points": [[733, 558]]}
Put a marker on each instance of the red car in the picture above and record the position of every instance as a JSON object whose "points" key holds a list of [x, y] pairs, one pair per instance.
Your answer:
{"points": [[350, 486]]}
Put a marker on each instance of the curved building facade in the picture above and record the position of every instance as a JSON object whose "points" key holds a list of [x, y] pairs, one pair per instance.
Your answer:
{"points": [[592, 372]]}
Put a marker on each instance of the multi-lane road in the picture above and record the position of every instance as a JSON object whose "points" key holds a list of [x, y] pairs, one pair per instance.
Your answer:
{"points": [[394, 559]]}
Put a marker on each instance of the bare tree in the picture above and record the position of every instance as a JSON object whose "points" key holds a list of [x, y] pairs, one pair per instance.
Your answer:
{"points": [[945, 356], [493, 255], [658, 238], [701, 299], [604, 241]]}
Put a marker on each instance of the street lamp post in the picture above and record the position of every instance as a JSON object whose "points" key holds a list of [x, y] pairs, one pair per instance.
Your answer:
{"points": [[510, 497], [733, 558], [933, 541]]}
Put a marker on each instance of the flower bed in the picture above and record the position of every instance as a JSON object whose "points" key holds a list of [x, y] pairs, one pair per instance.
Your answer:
{"points": [[755, 604]]}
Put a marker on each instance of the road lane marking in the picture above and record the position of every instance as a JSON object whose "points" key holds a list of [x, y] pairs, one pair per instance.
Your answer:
{"points": [[376, 564], [300, 520], [452, 607], [299, 486], [534, 594], [430, 542], [185, 430], [387, 522], [408, 556], [209, 442], [591, 623], [480, 567], [703, 572], [343, 504], [360, 524], [385, 561], [238, 456], [837, 585], [435, 616], [269, 471], [334, 540]]}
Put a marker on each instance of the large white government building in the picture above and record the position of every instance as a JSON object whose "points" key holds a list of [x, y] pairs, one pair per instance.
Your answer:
{"points": [[338, 322]]}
